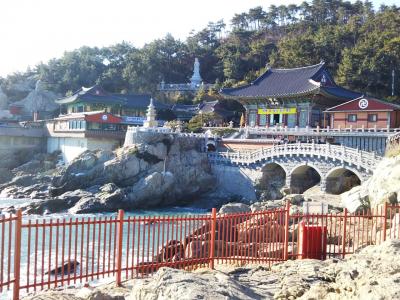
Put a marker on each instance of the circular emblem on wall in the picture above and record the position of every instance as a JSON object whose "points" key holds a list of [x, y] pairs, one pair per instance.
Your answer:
{"points": [[104, 117], [363, 103]]}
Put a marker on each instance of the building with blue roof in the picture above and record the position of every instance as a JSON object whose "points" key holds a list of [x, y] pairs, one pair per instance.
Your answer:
{"points": [[290, 97]]}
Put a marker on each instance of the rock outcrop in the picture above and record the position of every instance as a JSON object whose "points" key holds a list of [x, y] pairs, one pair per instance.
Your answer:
{"points": [[383, 186], [166, 170], [38, 100]]}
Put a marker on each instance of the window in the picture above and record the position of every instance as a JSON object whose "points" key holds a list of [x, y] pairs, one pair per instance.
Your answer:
{"points": [[372, 117], [352, 118]]}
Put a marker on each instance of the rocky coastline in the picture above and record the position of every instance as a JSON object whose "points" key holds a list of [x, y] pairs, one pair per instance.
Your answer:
{"points": [[158, 171]]}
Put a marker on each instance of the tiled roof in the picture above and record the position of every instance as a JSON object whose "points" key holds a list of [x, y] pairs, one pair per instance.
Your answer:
{"points": [[185, 108], [339, 92], [140, 101], [96, 94], [275, 83]]}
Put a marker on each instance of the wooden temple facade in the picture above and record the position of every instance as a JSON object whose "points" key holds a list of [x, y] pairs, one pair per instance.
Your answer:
{"points": [[290, 97]]}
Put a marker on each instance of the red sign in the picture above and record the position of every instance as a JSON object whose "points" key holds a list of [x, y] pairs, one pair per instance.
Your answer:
{"points": [[103, 118]]}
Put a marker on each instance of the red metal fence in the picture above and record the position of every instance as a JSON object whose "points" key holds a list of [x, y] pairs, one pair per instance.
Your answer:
{"points": [[40, 254]]}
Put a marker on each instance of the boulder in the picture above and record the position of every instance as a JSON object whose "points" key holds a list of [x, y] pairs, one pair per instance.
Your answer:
{"points": [[151, 190], [266, 205], [234, 208], [55, 205], [294, 199], [268, 232], [354, 199], [108, 199], [172, 251], [67, 268], [177, 284], [384, 182]]}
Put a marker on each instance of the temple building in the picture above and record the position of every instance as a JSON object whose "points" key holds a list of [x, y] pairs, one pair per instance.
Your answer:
{"points": [[364, 112], [224, 114], [132, 108], [290, 97]]}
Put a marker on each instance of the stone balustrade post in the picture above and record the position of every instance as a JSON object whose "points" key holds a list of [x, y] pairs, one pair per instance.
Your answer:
{"points": [[375, 128], [328, 128], [318, 128], [343, 153]]}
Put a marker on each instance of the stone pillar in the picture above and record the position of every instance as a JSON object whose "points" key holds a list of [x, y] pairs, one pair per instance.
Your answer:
{"points": [[322, 185], [288, 180]]}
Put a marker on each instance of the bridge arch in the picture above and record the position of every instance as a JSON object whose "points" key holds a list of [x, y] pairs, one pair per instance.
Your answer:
{"points": [[341, 179], [304, 176], [272, 180]]}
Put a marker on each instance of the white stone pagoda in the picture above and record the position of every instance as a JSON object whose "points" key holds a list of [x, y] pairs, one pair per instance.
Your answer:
{"points": [[151, 114]]}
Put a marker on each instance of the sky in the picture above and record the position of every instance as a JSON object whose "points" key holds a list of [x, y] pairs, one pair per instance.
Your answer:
{"points": [[32, 31]]}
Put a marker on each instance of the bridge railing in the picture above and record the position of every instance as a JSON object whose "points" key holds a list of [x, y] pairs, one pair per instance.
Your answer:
{"points": [[366, 160]]}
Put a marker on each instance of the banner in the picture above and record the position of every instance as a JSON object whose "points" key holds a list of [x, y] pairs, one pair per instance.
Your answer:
{"points": [[272, 111]]}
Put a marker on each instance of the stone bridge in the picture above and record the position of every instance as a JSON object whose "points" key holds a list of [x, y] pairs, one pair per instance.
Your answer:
{"points": [[302, 165]]}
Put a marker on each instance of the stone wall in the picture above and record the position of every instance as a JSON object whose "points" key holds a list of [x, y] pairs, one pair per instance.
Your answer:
{"points": [[72, 147], [236, 182]]}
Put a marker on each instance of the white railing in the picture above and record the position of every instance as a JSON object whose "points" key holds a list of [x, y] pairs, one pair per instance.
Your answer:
{"points": [[321, 131], [170, 131], [361, 159]]}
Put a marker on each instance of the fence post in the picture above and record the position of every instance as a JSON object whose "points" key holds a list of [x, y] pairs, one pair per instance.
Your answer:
{"points": [[120, 237], [286, 242], [344, 233], [385, 208], [17, 254], [212, 242]]}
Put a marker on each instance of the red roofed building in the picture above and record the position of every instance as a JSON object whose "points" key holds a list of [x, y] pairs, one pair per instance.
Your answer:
{"points": [[364, 112]]}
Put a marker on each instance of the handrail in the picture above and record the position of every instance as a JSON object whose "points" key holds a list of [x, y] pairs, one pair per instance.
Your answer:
{"points": [[366, 160]]}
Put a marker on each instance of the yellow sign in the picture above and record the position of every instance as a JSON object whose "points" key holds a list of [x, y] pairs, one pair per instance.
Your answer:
{"points": [[272, 111]]}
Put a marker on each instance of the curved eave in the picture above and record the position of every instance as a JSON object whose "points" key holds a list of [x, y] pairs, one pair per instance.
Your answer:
{"points": [[67, 100], [247, 99], [347, 94]]}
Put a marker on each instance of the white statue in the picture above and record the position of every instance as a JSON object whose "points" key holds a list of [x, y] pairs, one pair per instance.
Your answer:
{"points": [[38, 86], [196, 78]]}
